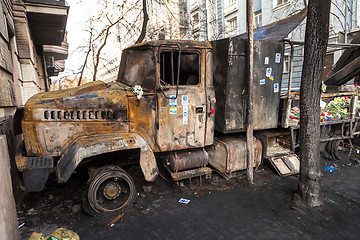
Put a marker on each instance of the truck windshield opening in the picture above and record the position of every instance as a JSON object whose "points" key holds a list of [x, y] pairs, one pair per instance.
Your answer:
{"points": [[189, 68]]}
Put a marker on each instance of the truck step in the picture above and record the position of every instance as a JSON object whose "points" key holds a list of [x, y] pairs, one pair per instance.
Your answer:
{"points": [[39, 162], [177, 176], [36, 172]]}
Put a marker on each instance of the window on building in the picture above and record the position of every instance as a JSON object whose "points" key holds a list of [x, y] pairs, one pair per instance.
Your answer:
{"points": [[286, 62], [279, 2], [258, 19], [189, 68], [232, 25], [195, 19]]}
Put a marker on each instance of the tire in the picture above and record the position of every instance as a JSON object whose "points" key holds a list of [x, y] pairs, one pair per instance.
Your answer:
{"points": [[108, 190]]}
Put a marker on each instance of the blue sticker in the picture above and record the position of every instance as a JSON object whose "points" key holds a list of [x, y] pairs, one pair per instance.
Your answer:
{"points": [[262, 81], [277, 57], [173, 104], [276, 87]]}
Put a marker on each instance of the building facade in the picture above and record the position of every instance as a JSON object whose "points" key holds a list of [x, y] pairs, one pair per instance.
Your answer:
{"points": [[32, 49]]}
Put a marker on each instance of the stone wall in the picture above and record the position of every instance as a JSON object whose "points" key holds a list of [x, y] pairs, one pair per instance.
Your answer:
{"points": [[8, 219]]}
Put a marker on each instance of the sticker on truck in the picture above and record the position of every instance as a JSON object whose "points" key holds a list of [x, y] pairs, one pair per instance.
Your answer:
{"points": [[277, 57], [173, 104]]}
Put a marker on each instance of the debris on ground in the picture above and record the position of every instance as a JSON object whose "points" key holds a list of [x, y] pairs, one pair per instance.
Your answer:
{"points": [[58, 234], [183, 200]]}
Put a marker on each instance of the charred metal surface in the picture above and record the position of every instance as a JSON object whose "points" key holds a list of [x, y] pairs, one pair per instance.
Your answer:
{"points": [[187, 159], [36, 173], [230, 83], [53, 120], [98, 118], [94, 145], [173, 131], [228, 154], [270, 144], [177, 176]]}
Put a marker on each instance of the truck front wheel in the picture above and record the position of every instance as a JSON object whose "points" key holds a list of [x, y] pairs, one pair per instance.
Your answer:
{"points": [[108, 190]]}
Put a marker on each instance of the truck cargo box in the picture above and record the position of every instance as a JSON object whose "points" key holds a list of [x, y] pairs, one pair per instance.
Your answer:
{"points": [[231, 84]]}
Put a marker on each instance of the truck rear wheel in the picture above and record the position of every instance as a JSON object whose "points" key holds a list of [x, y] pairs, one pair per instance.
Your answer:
{"points": [[108, 190]]}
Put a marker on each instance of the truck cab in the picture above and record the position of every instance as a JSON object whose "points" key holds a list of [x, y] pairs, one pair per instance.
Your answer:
{"points": [[171, 115]]}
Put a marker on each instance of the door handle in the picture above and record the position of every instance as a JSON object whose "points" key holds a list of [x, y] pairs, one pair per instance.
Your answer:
{"points": [[199, 110]]}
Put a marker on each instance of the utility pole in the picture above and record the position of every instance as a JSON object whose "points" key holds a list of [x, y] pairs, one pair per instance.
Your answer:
{"points": [[250, 63]]}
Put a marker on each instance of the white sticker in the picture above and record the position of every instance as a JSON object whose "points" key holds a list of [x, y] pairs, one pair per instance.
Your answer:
{"points": [[262, 81], [173, 104], [268, 72], [183, 200], [185, 115], [185, 100], [277, 57], [276, 87], [266, 60]]}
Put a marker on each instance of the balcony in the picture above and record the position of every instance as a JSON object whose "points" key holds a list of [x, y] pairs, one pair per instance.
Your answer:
{"points": [[47, 20]]}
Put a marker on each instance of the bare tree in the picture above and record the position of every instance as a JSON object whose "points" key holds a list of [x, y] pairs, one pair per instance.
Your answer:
{"points": [[145, 22], [316, 39]]}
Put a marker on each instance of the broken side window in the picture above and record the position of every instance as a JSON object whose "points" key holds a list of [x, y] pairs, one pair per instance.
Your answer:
{"points": [[138, 67], [189, 68]]}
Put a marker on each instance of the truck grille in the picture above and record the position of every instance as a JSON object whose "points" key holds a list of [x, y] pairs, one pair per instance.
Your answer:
{"points": [[84, 115]]}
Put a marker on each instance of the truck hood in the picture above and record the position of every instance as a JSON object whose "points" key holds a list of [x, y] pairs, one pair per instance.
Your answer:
{"points": [[91, 96]]}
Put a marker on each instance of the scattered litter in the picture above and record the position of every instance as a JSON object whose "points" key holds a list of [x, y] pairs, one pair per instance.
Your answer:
{"points": [[21, 225], [329, 200], [183, 200], [111, 224], [58, 234], [330, 168]]}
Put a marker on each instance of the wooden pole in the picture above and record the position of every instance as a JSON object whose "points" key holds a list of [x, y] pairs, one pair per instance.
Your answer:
{"points": [[250, 63]]}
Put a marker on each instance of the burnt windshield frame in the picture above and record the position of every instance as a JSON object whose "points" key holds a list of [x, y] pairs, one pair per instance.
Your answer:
{"points": [[167, 78]]}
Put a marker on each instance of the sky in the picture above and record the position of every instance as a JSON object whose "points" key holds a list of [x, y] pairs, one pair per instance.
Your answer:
{"points": [[79, 13]]}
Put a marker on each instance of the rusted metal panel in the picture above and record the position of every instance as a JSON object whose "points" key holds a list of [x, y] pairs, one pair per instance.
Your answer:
{"points": [[286, 165], [51, 124], [230, 82], [187, 159], [94, 145], [228, 154], [142, 116], [183, 124], [177, 176]]}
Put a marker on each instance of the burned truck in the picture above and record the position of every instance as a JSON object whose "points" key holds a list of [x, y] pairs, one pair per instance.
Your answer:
{"points": [[162, 106], [63, 129]]}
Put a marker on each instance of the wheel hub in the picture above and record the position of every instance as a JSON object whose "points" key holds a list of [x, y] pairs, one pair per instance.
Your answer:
{"points": [[112, 190]]}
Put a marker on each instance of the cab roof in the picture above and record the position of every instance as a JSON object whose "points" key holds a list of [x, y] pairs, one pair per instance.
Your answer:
{"points": [[183, 44]]}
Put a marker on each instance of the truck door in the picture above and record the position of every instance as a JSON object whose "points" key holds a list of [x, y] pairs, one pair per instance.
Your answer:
{"points": [[182, 101]]}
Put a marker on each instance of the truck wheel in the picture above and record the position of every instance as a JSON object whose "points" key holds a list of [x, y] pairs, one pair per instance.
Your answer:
{"points": [[108, 190]]}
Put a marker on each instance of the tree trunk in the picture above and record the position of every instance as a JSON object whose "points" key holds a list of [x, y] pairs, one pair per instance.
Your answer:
{"points": [[144, 25], [316, 39]]}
